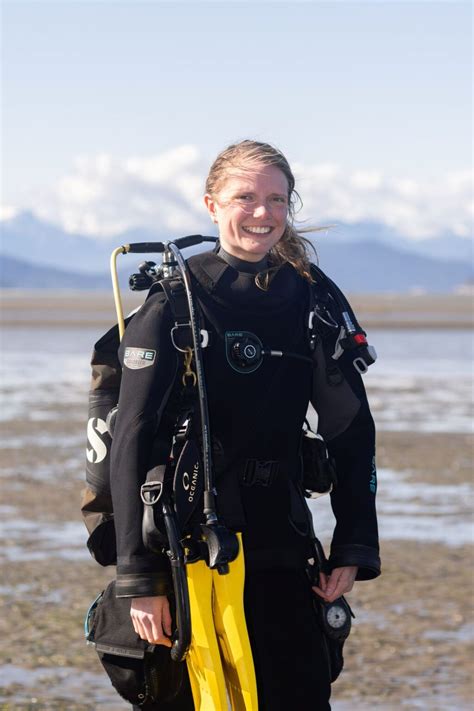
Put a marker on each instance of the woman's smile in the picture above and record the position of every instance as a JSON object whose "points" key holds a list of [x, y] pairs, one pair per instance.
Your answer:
{"points": [[257, 230]]}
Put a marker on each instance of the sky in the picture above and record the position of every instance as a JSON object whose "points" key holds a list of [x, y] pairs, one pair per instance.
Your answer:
{"points": [[114, 111]]}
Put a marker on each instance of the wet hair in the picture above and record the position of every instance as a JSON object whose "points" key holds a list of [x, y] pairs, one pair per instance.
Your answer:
{"points": [[244, 157]]}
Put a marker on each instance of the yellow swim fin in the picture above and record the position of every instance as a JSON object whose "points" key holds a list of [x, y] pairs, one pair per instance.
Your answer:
{"points": [[220, 660]]}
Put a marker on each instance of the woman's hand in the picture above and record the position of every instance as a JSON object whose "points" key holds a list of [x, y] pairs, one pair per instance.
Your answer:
{"points": [[151, 619], [339, 582]]}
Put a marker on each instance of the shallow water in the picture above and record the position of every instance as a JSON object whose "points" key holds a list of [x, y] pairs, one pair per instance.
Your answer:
{"points": [[422, 380], [408, 510]]}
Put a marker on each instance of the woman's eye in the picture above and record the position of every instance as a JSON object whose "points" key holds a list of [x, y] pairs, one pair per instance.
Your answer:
{"points": [[244, 198], [280, 200]]}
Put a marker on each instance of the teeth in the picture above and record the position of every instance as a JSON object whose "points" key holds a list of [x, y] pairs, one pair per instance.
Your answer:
{"points": [[258, 230]]}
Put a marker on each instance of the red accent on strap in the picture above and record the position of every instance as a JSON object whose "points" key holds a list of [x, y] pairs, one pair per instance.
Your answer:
{"points": [[360, 338]]}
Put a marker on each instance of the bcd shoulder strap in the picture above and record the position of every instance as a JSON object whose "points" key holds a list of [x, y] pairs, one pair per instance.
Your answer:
{"points": [[332, 317]]}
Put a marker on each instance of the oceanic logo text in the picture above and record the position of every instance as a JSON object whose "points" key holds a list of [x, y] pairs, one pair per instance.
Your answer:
{"points": [[190, 483]]}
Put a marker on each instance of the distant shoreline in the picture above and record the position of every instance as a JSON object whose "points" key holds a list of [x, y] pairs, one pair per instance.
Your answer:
{"points": [[82, 309], [366, 324]]}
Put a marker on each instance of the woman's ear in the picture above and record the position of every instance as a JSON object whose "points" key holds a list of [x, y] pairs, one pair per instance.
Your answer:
{"points": [[211, 204]]}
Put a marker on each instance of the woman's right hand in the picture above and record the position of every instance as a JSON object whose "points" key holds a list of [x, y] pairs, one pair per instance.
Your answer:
{"points": [[151, 619]]}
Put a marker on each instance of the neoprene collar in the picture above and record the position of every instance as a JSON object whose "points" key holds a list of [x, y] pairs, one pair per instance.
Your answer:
{"points": [[243, 265], [238, 290]]}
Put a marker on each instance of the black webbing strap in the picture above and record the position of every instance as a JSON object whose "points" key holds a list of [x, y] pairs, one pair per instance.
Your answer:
{"points": [[151, 493], [325, 325], [175, 293]]}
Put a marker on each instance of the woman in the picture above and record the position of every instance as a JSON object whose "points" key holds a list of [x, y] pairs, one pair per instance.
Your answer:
{"points": [[256, 282]]}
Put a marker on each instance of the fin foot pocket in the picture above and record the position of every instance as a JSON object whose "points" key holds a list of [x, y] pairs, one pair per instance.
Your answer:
{"points": [[220, 659]]}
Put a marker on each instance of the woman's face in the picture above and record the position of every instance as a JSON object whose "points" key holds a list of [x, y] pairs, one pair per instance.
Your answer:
{"points": [[251, 210]]}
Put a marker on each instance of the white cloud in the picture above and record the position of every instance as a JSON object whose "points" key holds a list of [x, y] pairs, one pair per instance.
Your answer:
{"points": [[8, 212], [104, 195], [366, 179], [159, 169], [416, 208]]}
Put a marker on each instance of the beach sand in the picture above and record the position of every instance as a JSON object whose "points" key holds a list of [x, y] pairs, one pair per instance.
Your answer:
{"points": [[410, 643]]}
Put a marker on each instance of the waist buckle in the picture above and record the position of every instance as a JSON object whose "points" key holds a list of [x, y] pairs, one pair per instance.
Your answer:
{"points": [[259, 472]]}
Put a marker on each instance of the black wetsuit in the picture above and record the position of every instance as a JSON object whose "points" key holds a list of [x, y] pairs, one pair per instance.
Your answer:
{"points": [[255, 417]]}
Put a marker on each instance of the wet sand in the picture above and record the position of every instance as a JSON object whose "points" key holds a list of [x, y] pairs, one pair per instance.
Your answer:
{"points": [[411, 643]]}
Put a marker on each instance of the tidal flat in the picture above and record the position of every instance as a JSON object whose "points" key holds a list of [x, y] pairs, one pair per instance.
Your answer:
{"points": [[411, 644]]}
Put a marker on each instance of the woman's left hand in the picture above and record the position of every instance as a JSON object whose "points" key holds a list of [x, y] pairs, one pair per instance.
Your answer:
{"points": [[338, 583]]}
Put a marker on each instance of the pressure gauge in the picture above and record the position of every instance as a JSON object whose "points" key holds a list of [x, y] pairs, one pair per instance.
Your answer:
{"points": [[336, 618], [244, 351]]}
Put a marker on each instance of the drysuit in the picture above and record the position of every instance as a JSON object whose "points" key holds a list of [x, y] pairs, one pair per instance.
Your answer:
{"points": [[256, 422]]}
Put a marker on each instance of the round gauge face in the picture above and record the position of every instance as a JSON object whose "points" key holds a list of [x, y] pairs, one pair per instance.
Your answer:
{"points": [[336, 616], [250, 351]]}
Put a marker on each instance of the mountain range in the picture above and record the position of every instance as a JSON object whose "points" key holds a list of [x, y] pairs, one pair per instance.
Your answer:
{"points": [[361, 257]]}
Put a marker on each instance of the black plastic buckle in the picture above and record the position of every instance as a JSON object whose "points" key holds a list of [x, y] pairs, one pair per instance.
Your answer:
{"points": [[183, 431], [259, 472]]}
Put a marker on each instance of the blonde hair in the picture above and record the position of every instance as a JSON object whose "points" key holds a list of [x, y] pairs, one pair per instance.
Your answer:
{"points": [[292, 246]]}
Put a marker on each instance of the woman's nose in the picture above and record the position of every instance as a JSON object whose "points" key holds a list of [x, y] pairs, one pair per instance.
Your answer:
{"points": [[260, 210]]}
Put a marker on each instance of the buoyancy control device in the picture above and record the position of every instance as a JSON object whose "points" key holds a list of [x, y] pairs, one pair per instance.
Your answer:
{"points": [[329, 312]]}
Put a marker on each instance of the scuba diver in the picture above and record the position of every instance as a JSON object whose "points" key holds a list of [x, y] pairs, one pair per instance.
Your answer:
{"points": [[272, 342]]}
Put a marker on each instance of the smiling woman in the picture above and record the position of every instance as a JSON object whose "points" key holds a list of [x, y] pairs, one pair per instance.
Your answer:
{"points": [[250, 190], [259, 628]]}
